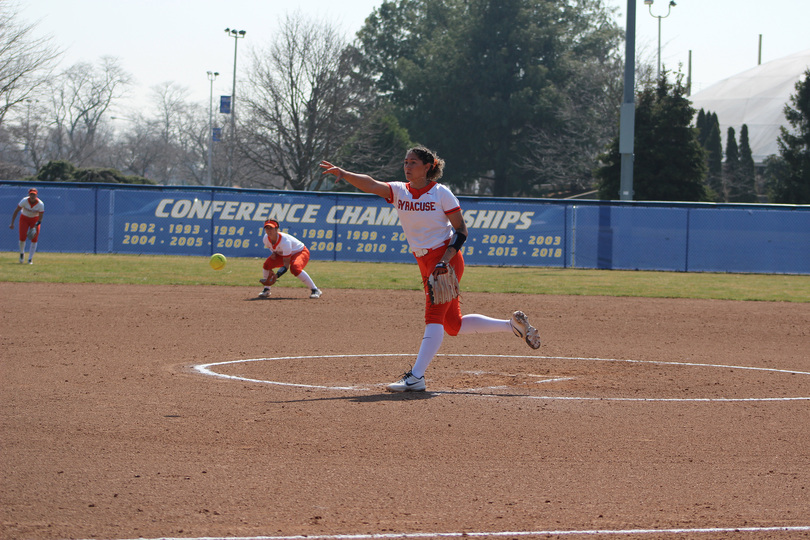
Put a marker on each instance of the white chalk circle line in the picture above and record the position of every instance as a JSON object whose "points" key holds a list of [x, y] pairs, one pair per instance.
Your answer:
{"points": [[207, 369]]}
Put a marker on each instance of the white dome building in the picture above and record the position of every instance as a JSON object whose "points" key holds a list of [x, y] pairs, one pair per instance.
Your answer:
{"points": [[757, 98]]}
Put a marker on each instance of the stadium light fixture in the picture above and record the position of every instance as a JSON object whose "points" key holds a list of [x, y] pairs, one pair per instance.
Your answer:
{"points": [[649, 3], [235, 34]]}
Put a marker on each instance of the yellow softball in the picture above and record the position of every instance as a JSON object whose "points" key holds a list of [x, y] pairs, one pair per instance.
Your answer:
{"points": [[217, 261]]}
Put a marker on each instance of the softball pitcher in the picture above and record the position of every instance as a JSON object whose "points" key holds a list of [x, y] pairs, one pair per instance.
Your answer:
{"points": [[431, 218]]}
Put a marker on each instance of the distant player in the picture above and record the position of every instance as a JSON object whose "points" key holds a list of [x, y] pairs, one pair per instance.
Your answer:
{"points": [[32, 209], [431, 218], [287, 253]]}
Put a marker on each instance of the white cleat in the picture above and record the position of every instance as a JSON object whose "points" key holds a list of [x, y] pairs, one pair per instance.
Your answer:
{"points": [[408, 383], [316, 293], [265, 293], [522, 329]]}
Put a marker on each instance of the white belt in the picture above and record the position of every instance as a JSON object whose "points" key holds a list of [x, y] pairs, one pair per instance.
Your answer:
{"points": [[421, 252]]}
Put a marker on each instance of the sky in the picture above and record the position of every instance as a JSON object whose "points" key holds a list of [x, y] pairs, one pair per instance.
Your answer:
{"points": [[159, 41]]}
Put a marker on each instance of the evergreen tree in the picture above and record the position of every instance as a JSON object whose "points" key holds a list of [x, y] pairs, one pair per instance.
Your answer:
{"points": [[748, 179], [731, 168], [775, 170], [476, 79], [670, 163], [790, 173], [65, 171], [714, 157], [701, 125], [376, 147]]}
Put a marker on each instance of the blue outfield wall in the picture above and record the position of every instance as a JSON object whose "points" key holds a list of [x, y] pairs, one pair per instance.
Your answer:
{"points": [[199, 221]]}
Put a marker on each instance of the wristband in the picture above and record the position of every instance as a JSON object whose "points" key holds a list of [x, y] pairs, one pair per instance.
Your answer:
{"points": [[38, 223], [281, 272], [440, 268], [459, 241]]}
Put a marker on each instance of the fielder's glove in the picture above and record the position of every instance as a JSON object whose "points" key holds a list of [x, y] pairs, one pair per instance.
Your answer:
{"points": [[271, 280], [32, 232], [442, 284]]}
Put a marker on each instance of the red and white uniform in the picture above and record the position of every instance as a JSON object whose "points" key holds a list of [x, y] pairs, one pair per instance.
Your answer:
{"points": [[423, 216], [423, 213], [286, 246], [29, 216]]}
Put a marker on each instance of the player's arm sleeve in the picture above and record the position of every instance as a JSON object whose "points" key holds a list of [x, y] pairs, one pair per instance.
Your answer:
{"points": [[390, 198], [449, 201]]}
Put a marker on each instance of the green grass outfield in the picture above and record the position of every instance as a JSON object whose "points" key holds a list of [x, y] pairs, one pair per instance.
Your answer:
{"points": [[171, 270]]}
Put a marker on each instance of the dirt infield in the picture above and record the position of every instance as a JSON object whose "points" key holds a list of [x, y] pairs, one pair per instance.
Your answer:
{"points": [[636, 414]]}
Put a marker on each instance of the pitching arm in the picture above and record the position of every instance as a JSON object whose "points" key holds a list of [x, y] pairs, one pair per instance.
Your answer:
{"points": [[363, 182]]}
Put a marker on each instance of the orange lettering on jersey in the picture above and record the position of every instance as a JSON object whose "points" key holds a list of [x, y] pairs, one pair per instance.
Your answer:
{"points": [[413, 206]]}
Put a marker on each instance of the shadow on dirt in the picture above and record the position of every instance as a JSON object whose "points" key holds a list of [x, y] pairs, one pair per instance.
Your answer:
{"points": [[397, 396]]}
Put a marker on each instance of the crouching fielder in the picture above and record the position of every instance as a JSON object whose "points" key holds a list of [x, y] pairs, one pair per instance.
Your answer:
{"points": [[432, 221], [287, 253]]}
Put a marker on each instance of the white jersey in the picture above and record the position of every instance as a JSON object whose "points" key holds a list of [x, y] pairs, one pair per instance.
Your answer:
{"points": [[285, 246], [31, 211], [423, 213]]}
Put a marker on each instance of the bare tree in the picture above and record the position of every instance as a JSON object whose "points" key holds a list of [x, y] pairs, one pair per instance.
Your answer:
{"points": [[136, 148], [303, 101], [376, 147], [81, 97], [33, 134], [170, 146], [191, 149], [26, 61], [171, 119], [564, 154], [172, 102], [30, 137]]}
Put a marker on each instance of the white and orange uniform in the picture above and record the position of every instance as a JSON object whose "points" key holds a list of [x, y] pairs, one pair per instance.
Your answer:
{"points": [[286, 246], [29, 216], [423, 216]]}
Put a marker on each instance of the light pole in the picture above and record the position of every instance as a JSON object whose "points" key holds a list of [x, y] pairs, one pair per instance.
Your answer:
{"points": [[212, 76], [659, 17], [235, 34], [627, 117]]}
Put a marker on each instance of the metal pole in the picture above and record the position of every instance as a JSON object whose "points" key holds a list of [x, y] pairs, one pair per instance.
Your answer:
{"points": [[628, 110], [689, 75], [211, 77], [233, 91], [236, 34], [232, 137], [659, 47]]}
